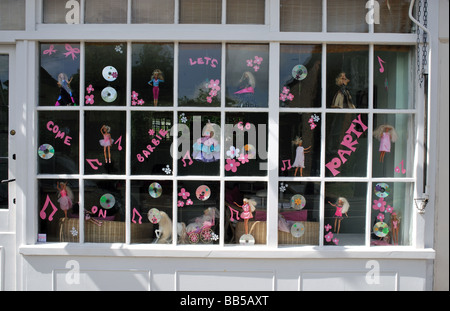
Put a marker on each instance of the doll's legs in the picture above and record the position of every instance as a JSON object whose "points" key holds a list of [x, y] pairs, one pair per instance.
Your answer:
{"points": [[109, 153], [339, 226], [382, 154], [335, 224], [296, 170], [155, 95], [301, 171], [246, 225]]}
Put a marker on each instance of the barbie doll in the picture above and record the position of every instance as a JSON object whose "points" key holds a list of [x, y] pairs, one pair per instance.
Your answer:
{"points": [[65, 197], [342, 207], [385, 134], [248, 208], [65, 93], [395, 227], [106, 142], [299, 161], [207, 148], [157, 78], [343, 98]]}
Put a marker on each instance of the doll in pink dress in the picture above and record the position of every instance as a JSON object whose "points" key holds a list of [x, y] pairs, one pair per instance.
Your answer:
{"points": [[386, 134], [342, 207], [65, 197], [106, 142], [248, 208]]}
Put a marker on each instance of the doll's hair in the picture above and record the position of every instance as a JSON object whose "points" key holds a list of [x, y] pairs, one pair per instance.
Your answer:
{"points": [[62, 76], [210, 128], [382, 128], [107, 128], [345, 206], [68, 191], [252, 204], [297, 141], [250, 77], [165, 226], [159, 72], [339, 79]]}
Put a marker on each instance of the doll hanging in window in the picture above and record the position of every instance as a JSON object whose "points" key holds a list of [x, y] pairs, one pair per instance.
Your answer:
{"points": [[386, 134], [65, 93], [342, 207], [106, 142], [299, 162], [343, 98], [207, 147], [157, 78]]}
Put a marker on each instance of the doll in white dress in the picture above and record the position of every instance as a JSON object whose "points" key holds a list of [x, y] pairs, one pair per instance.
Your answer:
{"points": [[299, 162]]}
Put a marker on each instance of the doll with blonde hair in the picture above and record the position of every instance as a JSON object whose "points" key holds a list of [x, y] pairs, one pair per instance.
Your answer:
{"points": [[157, 78], [65, 92], [342, 207], [65, 197], [299, 161], [248, 208], [386, 134]]}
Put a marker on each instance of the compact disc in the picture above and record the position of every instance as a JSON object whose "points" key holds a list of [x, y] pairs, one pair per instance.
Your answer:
{"points": [[107, 201], [298, 202], [154, 215], [203, 193], [110, 73], [382, 190], [297, 229], [247, 239], [109, 94], [46, 151], [155, 190], [381, 229], [250, 150], [299, 72]]}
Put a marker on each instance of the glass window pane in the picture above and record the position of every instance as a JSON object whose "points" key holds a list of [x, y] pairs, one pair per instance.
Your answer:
{"points": [[151, 142], [245, 148], [199, 75], [59, 76], [246, 213], [392, 214], [104, 142], [106, 11], [105, 80], [392, 76], [4, 128], [393, 145], [394, 16], [246, 11], [152, 11], [298, 213], [12, 15], [347, 76], [347, 16], [104, 204], [199, 145], [247, 75], [151, 204], [300, 75], [305, 15], [58, 141], [345, 213], [200, 11], [152, 61], [300, 144], [55, 11], [346, 145], [198, 212], [58, 210]]}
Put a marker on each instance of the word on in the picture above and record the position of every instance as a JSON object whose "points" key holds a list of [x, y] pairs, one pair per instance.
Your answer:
{"points": [[52, 127], [150, 148], [349, 142]]}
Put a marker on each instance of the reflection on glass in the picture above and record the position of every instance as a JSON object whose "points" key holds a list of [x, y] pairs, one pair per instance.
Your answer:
{"points": [[151, 211], [152, 11], [393, 145], [347, 76], [391, 77], [105, 141], [298, 213], [106, 74], [304, 16], [394, 17], [346, 145], [345, 213], [245, 146], [246, 11], [58, 142], [247, 75], [106, 11], [152, 72], [300, 75], [199, 75], [4, 128], [12, 15], [200, 12], [300, 144], [392, 212], [151, 142], [198, 212], [59, 76], [104, 211], [58, 210], [200, 147], [347, 16], [245, 213]]}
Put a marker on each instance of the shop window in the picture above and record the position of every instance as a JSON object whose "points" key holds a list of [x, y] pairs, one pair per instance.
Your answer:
{"points": [[12, 15], [245, 11], [305, 16], [300, 75], [152, 11], [247, 75], [105, 11], [200, 11]]}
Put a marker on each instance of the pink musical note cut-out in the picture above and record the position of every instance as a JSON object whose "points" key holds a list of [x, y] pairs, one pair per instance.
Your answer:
{"points": [[381, 64], [42, 212], [92, 161], [232, 210], [402, 170], [284, 165], [187, 156], [119, 141], [134, 214]]}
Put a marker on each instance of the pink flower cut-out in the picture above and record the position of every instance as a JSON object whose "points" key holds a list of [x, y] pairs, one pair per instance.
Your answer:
{"points": [[189, 202], [180, 203], [140, 102], [89, 99], [389, 209], [380, 217], [134, 95], [328, 227], [243, 158], [89, 89], [232, 165], [379, 204], [214, 84], [258, 60], [184, 194], [249, 63], [336, 241], [329, 236]]}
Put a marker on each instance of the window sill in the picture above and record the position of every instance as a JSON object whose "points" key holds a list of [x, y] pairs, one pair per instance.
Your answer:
{"points": [[235, 252]]}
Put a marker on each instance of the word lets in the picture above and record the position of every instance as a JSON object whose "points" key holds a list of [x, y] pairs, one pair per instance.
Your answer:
{"points": [[204, 61], [150, 148], [59, 134], [349, 142]]}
